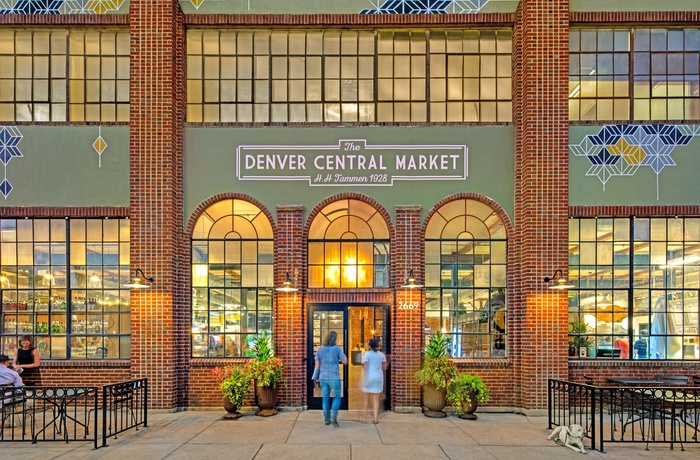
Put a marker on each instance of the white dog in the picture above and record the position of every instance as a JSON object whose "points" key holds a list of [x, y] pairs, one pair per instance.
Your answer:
{"points": [[569, 436]]}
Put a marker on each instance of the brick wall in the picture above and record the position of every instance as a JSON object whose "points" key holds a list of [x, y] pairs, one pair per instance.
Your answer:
{"points": [[290, 318], [539, 329], [407, 325], [159, 318]]}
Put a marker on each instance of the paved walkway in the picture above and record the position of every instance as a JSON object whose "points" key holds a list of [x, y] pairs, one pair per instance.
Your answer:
{"points": [[203, 435]]}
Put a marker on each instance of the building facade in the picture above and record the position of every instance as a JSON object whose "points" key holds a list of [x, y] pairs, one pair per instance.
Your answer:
{"points": [[223, 148]]}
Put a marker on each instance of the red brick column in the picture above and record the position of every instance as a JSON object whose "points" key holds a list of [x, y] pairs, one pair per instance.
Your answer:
{"points": [[541, 200], [407, 327], [289, 316], [159, 316]]}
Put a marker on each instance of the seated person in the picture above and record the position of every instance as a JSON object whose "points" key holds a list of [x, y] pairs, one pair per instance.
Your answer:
{"points": [[8, 376]]}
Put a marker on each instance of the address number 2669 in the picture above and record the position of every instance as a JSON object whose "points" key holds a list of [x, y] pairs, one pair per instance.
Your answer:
{"points": [[409, 305]]}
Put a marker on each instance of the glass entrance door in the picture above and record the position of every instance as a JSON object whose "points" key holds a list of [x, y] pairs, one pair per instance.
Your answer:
{"points": [[355, 326]]}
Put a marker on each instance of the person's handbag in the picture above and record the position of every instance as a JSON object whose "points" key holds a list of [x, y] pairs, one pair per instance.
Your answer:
{"points": [[318, 393]]}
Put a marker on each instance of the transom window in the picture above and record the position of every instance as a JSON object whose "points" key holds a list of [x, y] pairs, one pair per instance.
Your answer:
{"points": [[349, 247], [60, 75], [349, 76], [634, 74], [465, 278], [638, 281], [232, 278], [61, 283]]}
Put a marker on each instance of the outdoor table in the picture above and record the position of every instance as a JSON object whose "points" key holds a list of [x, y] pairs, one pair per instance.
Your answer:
{"points": [[633, 381], [60, 399]]}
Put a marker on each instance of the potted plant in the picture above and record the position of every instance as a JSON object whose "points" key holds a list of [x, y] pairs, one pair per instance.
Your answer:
{"points": [[267, 371], [234, 382], [578, 339], [465, 391], [435, 374]]}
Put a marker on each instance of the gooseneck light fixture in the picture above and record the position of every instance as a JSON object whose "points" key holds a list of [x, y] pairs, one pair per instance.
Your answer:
{"points": [[137, 282], [287, 286], [561, 283], [411, 282]]}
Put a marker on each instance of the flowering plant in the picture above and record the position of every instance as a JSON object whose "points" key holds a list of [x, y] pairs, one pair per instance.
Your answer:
{"points": [[438, 367], [265, 368], [234, 382]]}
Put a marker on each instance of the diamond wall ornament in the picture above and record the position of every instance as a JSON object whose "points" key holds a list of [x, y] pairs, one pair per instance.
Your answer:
{"points": [[620, 150], [424, 6], [10, 136], [37, 7], [60, 6], [103, 6], [100, 146]]}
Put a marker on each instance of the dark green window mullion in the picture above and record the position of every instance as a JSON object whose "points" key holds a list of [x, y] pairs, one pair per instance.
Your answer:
{"points": [[375, 77], [427, 76], [269, 77], [630, 85], [69, 294], [323, 83]]}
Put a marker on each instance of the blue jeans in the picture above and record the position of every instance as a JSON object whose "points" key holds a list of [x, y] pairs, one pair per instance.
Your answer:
{"points": [[330, 411]]}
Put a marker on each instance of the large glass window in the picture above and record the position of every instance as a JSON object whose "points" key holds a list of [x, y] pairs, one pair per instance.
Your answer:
{"points": [[634, 74], [61, 283], [60, 75], [638, 281], [348, 247], [465, 278], [232, 278], [348, 76]]}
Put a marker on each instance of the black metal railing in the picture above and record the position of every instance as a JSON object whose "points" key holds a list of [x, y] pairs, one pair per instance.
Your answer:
{"points": [[43, 413], [125, 406], [70, 413], [649, 414]]}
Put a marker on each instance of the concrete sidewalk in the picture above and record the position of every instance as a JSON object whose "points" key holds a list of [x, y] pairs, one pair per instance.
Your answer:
{"points": [[203, 435]]}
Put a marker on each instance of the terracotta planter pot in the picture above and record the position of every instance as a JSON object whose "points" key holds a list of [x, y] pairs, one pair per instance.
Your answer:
{"points": [[434, 401], [232, 411], [266, 400], [469, 407]]}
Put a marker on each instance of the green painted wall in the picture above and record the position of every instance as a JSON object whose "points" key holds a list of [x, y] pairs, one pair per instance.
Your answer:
{"points": [[210, 165], [635, 5], [308, 6], [59, 167], [677, 185]]}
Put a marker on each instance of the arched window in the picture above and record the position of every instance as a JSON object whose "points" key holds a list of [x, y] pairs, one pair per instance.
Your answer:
{"points": [[232, 278], [465, 278], [348, 247]]}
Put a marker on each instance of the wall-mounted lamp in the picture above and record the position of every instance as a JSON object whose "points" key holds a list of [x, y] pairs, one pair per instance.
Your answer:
{"points": [[561, 282], [4, 282], [137, 282], [287, 286], [411, 282]]}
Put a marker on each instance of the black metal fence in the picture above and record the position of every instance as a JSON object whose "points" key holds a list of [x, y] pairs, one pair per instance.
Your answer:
{"points": [[658, 414], [52, 413], [125, 407]]}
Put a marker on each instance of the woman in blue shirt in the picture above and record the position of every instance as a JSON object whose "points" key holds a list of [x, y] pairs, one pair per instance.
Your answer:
{"points": [[327, 358]]}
